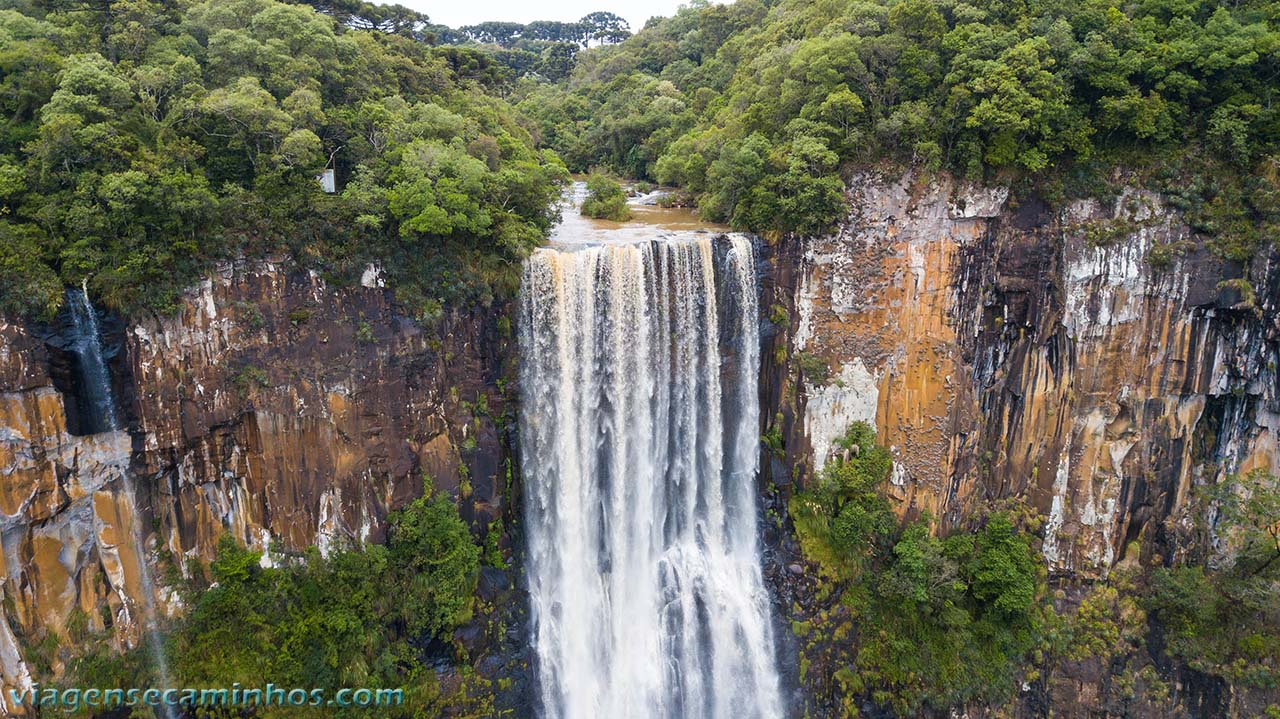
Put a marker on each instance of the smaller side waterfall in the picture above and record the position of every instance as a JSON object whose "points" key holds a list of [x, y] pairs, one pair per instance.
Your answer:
{"points": [[95, 381]]}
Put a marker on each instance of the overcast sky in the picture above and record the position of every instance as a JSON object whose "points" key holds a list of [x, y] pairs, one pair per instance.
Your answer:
{"points": [[456, 13]]}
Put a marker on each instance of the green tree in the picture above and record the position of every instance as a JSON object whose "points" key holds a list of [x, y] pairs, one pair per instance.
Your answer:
{"points": [[1222, 616], [436, 563], [147, 140], [605, 200], [943, 621]]}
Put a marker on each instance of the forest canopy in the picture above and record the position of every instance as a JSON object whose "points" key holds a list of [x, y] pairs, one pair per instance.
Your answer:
{"points": [[144, 140], [755, 107]]}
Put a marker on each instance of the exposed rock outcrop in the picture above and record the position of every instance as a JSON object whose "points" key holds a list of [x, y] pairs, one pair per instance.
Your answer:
{"points": [[1089, 361], [1001, 353], [1095, 362], [273, 406]]}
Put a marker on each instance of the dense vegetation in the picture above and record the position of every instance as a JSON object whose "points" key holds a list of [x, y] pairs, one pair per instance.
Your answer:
{"points": [[756, 106], [1223, 612], [543, 49], [605, 200], [143, 140], [918, 622], [359, 617], [944, 620]]}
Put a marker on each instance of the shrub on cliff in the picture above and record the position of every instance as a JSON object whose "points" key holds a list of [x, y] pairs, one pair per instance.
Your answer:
{"points": [[606, 200], [845, 516], [943, 620], [1223, 618], [436, 564], [350, 619]]}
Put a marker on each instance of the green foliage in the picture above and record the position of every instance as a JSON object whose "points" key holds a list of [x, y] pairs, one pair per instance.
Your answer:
{"points": [[250, 315], [1108, 622], [143, 140], [815, 368], [437, 563], [946, 620], [364, 333], [249, 378], [755, 106], [955, 618], [1003, 571], [778, 315], [27, 285], [493, 555], [772, 439], [323, 622], [842, 519], [1224, 618], [342, 620], [355, 617], [605, 199], [597, 27]]}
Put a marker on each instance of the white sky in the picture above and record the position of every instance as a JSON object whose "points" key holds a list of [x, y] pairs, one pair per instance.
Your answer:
{"points": [[456, 13]]}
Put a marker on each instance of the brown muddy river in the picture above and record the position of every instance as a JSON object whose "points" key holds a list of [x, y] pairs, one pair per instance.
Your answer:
{"points": [[648, 222]]}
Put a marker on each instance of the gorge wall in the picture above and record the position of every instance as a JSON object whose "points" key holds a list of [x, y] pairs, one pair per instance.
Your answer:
{"points": [[1070, 359], [1089, 362], [273, 406]]}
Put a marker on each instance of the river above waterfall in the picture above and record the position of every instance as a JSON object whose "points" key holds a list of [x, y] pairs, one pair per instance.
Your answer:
{"points": [[649, 221]]}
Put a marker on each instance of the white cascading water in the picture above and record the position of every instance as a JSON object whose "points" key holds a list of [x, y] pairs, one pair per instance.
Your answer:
{"points": [[95, 382], [639, 449]]}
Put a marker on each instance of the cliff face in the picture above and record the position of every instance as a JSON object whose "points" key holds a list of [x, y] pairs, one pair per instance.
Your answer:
{"points": [[1087, 361], [1069, 359], [273, 406], [1002, 353], [279, 407]]}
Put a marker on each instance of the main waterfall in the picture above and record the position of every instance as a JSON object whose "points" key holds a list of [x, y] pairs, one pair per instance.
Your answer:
{"points": [[639, 449]]}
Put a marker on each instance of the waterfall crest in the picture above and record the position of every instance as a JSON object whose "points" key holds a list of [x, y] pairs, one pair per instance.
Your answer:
{"points": [[639, 448]]}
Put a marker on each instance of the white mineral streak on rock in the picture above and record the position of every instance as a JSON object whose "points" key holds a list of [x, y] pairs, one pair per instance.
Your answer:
{"points": [[850, 396], [971, 201], [804, 312], [372, 277], [329, 529], [13, 671], [268, 560], [206, 300], [1057, 512]]}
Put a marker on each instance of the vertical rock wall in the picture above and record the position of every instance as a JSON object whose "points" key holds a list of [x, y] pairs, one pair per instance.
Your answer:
{"points": [[1088, 361], [272, 406], [1002, 351]]}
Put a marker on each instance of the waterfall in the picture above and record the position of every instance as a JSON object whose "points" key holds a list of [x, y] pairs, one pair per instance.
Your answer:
{"points": [[639, 449], [95, 383]]}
